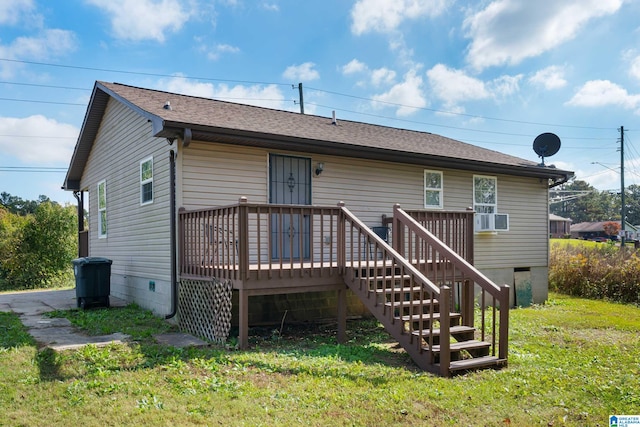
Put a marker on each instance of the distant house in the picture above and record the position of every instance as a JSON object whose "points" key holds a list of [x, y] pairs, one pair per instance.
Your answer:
{"points": [[559, 226], [201, 202], [595, 231]]}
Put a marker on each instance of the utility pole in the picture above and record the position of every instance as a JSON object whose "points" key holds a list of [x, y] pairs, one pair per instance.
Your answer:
{"points": [[301, 98], [623, 209]]}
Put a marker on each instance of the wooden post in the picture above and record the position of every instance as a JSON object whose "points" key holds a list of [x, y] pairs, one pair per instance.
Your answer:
{"points": [[342, 246], [342, 315], [467, 302], [243, 319], [398, 232], [503, 345], [243, 240], [445, 336]]}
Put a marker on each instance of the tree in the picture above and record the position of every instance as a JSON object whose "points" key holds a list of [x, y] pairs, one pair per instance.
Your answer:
{"points": [[594, 206], [611, 228], [16, 205], [37, 249]]}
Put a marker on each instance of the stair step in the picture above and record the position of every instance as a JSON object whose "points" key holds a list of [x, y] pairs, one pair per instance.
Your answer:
{"points": [[454, 330], [463, 345], [476, 363], [385, 278], [397, 290], [416, 303], [426, 317]]}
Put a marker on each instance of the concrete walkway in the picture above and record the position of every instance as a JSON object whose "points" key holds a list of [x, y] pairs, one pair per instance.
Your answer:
{"points": [[58, 333]]}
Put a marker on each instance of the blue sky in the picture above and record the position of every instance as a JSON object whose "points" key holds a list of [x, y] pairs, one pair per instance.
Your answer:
{"points": [[491, 73]]}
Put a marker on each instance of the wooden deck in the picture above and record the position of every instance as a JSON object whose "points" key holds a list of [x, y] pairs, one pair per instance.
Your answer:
{"points": [[405, 284]]}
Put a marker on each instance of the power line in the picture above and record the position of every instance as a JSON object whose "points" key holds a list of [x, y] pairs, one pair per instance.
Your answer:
{"points": [[139, 73], [438, 125], [31, 169], [43, 102], [474, 116], [38, 136], [288, 84], [49, 86]]}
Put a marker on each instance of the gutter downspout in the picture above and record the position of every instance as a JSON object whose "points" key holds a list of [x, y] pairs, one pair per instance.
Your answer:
{"points": [[173, 235]]}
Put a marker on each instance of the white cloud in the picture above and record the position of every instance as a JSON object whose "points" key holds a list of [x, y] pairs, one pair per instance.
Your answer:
{"points": [[408, 95], [386, 15], [35, 145], [272, 7], [302, 72], [382, 76], [549, 78], [268, 96], [46, 45], [218, 50], [144, 19], [634, 69], [600, 93], [14, 12], [508, 31], [354, 66], [454, 86], [504, 86]]}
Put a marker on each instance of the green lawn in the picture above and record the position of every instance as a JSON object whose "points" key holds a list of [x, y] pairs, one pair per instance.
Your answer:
{"points": [[572, 362]]}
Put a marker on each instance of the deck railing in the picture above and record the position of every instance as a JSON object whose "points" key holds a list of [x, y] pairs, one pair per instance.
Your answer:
{"points": [[442, 265], [230, 242]]}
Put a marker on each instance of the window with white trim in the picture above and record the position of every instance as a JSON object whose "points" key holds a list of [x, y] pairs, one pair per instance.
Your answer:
{"points": [[102, 209], [432, 189], [146, 181], [485, 194]]}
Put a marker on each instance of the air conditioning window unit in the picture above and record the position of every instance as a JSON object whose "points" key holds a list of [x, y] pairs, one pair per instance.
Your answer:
{"points": [[491, 222]]}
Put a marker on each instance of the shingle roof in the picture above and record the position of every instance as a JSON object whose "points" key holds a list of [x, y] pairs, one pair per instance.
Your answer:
{"points": [[216, 120]]}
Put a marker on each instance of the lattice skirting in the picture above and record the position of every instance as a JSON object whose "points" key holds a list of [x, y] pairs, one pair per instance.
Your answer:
{"points": [[204, 308]]}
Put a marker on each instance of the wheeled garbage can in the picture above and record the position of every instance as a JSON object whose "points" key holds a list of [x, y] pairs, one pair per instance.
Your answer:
{"points": [[93, 281]]}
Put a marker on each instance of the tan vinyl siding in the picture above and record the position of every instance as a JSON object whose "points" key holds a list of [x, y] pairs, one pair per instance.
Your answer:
{"points": [[138, 236], [218, 174]]}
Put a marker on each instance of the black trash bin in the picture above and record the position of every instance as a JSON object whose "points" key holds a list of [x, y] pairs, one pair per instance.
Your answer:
{"points": [[93, 281]]}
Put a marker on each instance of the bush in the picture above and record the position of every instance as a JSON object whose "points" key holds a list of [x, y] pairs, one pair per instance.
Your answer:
{"points": [[604, 272], [36, 250]]}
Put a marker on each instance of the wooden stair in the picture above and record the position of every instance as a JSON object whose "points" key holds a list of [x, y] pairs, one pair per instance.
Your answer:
{"points": [[412, 315]]}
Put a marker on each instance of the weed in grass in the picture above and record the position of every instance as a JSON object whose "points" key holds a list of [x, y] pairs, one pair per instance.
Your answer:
{"points": [[13, 333]]}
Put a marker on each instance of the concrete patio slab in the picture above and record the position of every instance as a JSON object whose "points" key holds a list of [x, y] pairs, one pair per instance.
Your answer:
{"points": [[58, 333]]}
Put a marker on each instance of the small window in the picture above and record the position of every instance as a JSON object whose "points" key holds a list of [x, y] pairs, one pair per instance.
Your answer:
{"points": [[485, 194], [432, 189], [102, 209], [146, 181]]}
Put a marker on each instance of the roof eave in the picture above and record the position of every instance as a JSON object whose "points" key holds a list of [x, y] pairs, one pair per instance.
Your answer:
{"points": [[89, 130], [283, 142]]}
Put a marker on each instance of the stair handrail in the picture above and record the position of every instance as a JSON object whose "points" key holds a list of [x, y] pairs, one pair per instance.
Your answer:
{"points": [[500, 293], [466, 267], [396, 257]]}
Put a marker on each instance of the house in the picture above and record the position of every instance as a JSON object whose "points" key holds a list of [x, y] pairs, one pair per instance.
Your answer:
{"points": [[595, 231], [218, 210], [559, 226]]}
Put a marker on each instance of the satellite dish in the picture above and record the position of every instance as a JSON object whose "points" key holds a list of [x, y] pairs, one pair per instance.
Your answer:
{"points": [[546, 145]]}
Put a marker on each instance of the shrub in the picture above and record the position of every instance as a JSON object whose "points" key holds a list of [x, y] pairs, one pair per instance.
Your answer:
{"points": [[603, 272], [36, 250]]}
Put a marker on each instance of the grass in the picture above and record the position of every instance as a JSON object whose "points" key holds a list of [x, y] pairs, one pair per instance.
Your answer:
{"points": [[572, 362]]}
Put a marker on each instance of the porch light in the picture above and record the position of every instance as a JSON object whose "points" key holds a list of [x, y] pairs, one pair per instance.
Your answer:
{"points": [[319, 168]]}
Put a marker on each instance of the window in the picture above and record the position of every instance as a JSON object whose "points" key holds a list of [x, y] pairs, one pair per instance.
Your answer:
{"points": [[146, 181], [432, 189], [102, 209], [485, 194]]}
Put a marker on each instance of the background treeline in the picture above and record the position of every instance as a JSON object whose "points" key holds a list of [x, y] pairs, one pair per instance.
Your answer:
{"points": [[38, 240], [597, 205]]}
